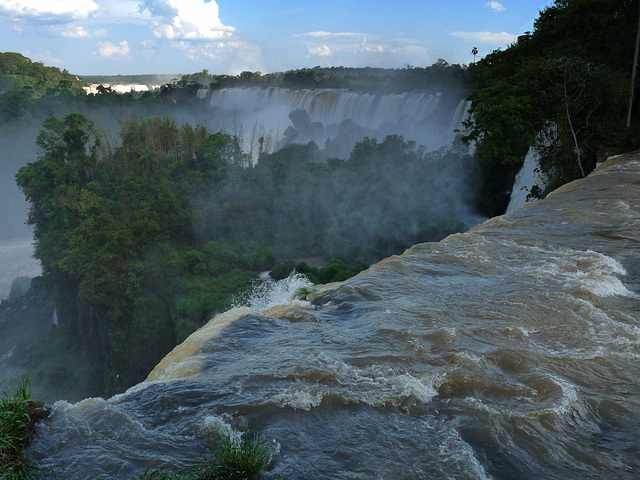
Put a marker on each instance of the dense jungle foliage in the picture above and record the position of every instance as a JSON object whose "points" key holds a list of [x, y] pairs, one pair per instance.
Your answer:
{"points": [[563, 88], [143, 236], [144, 239], [441, 75], [18, 73]]}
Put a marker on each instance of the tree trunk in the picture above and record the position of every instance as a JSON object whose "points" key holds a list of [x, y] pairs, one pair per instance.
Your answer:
{"points": [[573, 132]]}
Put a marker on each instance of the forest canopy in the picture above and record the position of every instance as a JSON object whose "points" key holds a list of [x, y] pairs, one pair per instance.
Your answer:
{"points": [[562, 89], [145, 239]]}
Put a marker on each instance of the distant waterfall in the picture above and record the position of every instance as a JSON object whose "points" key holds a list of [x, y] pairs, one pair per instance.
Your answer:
{"points": [[337, 115]]}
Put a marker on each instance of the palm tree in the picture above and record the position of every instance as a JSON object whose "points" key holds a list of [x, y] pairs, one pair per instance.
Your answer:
{"points": [[474, 51]]}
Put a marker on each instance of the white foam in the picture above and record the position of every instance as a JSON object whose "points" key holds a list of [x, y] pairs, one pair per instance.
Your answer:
{"points": [[453, 449], [299, 396], [579, 271], [268, 294], [562, 404], [374, 385], [219, 426], [569, 395]]}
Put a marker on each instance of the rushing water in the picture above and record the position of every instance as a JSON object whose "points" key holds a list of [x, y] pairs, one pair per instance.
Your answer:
{"points": [[509, 352], [337, 115], [527, 178]]}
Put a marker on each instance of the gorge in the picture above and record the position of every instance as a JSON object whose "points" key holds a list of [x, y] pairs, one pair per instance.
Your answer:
{"points": [[416, 340], [509, 351]]}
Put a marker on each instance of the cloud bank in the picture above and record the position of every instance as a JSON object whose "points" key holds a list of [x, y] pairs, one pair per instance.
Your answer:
{"points": [[360, 49], [52, 11], [502, 38], [186, 19]]}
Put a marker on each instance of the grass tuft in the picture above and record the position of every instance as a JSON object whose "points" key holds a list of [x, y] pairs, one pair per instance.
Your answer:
{"points": [[238, 458], [18, 414]]}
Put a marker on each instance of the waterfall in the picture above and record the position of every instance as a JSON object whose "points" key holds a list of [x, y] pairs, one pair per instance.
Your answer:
{"points": [[526, 179], [417, 116], [509, 351]]}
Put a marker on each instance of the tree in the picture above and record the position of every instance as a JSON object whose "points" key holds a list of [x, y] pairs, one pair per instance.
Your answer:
{"points": [[474, 52], [68, 161], [578, 89], [557, 89]]}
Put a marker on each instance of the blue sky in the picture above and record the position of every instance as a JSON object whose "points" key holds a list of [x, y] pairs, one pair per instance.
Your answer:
{"points": [[229, 36]]}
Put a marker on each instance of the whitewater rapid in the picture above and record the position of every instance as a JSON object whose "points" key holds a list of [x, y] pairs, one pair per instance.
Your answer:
{"points": [[510, 351]]}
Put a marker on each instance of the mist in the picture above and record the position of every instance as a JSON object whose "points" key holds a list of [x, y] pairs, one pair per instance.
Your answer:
{"points": [[268, 119], [334, 174]]}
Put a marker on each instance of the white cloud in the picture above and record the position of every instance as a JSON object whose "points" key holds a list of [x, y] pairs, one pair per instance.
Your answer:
{"points": [[119, 11], [372, 48], [495, 6], [359, 49], [502, 38], [337, 42], [147, 44], [44, 57], [186, 19], [325, 35], [75, 31], [320, 51], [108, 49], [232, 56], [48, 10], [199, 34]]}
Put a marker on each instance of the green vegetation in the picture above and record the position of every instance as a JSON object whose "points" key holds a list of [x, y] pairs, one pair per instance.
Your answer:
{"points": [[33, 79], [335, 271], [146, 236], [143, 240], [18, 414], [562, 88], [22, 82], [441, 75], [238, 457]]}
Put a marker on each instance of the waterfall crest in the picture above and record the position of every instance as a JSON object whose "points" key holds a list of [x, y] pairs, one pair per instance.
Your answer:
{"points": [[337, 115]]}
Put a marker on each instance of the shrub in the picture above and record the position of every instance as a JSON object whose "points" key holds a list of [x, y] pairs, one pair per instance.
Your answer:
{"points": [[238, 458], [18, 414]]}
